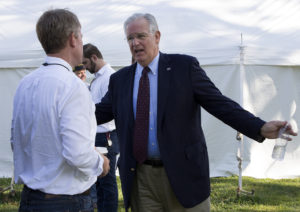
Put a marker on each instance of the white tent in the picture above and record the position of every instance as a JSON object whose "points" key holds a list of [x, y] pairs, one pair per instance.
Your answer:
{"points": [[209, 30]]}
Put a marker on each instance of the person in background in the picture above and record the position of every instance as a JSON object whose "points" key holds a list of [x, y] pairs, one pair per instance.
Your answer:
{"points": [[54, 126], [80, 72], [156, 105], [107, 189]]}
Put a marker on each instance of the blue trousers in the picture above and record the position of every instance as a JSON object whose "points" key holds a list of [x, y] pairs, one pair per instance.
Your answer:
{"points": [[107, 188], [37, 201]]}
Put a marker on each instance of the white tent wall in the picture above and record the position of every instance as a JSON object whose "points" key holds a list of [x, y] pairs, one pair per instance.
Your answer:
{"points": [[9, 81], [209, 30], [270, 92]]}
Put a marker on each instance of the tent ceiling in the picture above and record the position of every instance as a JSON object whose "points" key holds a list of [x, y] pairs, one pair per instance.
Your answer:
{"points": [[210, 30]]}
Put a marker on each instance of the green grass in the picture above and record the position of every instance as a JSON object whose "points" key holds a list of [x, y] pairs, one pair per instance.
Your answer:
{"points": [[269, 195]]}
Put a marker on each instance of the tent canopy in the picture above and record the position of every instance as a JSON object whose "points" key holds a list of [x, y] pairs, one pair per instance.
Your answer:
{"points": [[210, 30]]}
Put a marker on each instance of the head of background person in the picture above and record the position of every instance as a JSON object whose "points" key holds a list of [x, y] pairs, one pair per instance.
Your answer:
{"points": [[80, 70], [92, 58], [59, 32], [143, 37]]}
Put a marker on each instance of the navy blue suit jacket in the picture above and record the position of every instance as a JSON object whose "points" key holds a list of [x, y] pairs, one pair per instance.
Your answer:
{"points": [[182, 88]]}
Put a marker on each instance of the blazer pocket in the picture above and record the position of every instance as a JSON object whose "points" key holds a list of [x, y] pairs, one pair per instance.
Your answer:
{"points": [[197, 153]]}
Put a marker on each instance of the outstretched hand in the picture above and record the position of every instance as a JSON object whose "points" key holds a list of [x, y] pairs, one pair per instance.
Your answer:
{"points": [[271, 129]]}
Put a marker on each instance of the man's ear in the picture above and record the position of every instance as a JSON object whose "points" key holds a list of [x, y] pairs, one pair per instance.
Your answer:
{"points": [[72, 39], [94, 58], [157, 36]]}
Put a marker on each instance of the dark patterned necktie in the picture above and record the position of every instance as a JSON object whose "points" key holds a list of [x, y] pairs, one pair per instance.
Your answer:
{"points": [[141, 126]]}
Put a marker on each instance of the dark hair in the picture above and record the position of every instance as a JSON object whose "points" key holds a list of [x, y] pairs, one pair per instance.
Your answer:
{"points": [[79, 67], [89, 49], [54, 28]]}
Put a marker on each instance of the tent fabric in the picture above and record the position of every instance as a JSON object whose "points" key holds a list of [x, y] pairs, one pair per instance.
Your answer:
{"points": [[211, 31], [249, 48], [270, 92], [9, 81]]}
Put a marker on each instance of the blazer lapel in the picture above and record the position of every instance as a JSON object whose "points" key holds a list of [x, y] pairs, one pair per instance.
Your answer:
{"points": [[164, 71], [129, 94]]}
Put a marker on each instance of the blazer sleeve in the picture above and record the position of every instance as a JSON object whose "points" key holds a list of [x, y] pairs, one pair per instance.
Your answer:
{"points": [[104, 108], [222, 107]]}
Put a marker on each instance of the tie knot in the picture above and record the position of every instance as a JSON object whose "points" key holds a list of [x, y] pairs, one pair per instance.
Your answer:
{"points": [[145, 70]]}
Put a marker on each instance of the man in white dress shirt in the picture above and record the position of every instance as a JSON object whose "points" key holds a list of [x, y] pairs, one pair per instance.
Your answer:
{"points": [[107, 189], [54, 126]]}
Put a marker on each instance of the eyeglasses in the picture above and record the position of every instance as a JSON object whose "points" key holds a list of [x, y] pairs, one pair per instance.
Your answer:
{"points": [[138, 36]]}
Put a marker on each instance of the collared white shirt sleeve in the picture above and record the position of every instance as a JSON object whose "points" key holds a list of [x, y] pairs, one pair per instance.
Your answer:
{"points": [[99, 87]]}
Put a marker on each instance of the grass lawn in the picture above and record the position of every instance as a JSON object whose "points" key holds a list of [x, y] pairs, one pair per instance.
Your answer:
{"points": [[269, 195]]}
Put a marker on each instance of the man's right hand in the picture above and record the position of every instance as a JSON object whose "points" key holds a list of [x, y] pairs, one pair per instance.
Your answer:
{"points": [[271, 129], [105, 167]]}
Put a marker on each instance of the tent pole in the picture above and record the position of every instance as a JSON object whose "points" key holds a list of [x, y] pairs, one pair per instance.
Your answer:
{"points": [[239, 136]]}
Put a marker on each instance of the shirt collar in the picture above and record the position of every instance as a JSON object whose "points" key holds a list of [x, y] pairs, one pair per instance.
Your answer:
{"points": [[50, 59], [102, 70], [153, 65]]}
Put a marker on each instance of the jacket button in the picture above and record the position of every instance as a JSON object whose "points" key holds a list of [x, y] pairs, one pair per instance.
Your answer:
{"points": [[132, 169]]}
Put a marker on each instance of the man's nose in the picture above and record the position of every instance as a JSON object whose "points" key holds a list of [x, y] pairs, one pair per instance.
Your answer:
{"points": [[135, 41]]}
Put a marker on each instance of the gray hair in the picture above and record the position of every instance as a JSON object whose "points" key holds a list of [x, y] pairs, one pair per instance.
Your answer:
{"points": [[153, 27]]}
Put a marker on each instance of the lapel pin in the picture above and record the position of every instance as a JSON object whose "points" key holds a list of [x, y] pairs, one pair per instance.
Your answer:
{"points": [[168, 69]]}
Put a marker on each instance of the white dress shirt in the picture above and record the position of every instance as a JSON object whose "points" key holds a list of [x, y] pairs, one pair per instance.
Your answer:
{"points": [[99, 87], [53, 131]]}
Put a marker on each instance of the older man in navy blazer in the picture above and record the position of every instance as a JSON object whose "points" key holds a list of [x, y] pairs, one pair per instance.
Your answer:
{"points": [[173, 175]]}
